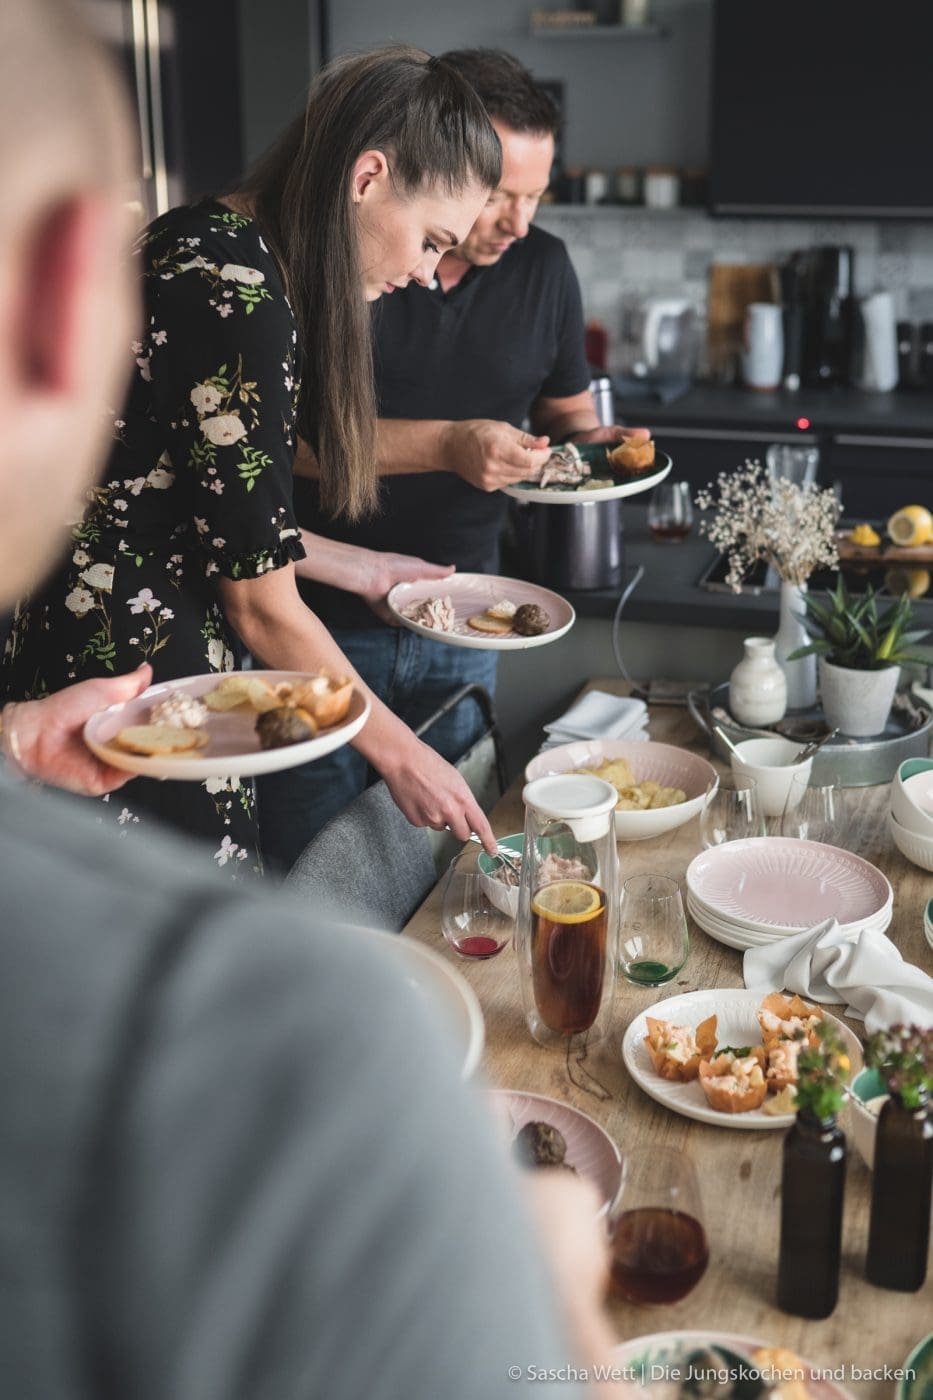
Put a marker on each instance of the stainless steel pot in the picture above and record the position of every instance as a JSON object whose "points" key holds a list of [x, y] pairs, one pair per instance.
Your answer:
{"points": [[575, 547]]}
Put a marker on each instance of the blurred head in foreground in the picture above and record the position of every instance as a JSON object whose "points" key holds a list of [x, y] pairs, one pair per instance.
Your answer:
{"points": [[66, 310]]}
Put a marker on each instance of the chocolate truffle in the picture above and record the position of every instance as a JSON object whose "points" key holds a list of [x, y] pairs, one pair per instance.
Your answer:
{"points": [[530, 620]]}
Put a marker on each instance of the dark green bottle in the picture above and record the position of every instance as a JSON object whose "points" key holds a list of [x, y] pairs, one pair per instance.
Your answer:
{"points": [[899, 1232], [812, 1189]]}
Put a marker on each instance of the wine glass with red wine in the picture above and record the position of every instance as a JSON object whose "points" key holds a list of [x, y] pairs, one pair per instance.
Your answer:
{"points": [[479, 905], [656, 1234]]}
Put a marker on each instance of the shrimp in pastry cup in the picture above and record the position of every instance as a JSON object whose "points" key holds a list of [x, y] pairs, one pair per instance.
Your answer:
{"points": [[676, 1051], [735, 1083], [781, 1018]]}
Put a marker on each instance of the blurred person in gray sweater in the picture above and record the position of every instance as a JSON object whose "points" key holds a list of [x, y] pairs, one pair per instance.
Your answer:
{"points": [[236, 1156]]}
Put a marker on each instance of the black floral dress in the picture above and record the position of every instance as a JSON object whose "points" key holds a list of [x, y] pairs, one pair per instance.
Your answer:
{"points": [[198, 485]]}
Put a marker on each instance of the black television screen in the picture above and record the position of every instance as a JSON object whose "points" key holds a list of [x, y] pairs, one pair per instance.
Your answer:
{"points": [[822, 107]]}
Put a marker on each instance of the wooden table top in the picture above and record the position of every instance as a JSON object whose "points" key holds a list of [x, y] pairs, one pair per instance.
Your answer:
{"points": [[740, 1171]]}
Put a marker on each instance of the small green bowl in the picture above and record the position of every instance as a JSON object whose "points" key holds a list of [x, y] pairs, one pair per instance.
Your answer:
{"points": [[504, 897]]}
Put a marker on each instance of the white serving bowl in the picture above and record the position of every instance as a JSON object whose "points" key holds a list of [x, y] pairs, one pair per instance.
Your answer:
{"points": [[771, 763], [912, 795], [917, 849], [662, 763], [867, 1088]]}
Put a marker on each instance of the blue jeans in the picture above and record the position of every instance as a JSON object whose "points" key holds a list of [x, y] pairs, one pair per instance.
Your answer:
{"points": [[413, 676]]}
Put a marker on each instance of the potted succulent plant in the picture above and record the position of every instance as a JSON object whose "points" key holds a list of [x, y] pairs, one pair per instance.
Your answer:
{"points": [[861, 650]]}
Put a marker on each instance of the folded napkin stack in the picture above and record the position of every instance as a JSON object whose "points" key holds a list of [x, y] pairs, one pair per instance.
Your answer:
{"points": [[599, 715], [864, 970]]}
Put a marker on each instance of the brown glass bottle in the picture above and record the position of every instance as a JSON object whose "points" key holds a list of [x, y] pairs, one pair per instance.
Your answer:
{"points": [[899, 1231], [812, 1188]]}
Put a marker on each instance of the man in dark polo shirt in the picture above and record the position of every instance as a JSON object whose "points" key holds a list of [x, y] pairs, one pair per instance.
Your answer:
{"points": [[494, 342]]}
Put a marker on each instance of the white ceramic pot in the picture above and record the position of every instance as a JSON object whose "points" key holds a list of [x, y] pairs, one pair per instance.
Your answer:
{"points": [[757, 688], [857, 703], [791, 634], [772, 763]]}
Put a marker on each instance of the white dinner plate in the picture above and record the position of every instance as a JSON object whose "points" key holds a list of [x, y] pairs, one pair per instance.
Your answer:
{"points": [[736, 1024], [474, 593], [437, 981], [561, 496], [787, 885], [590, 1150], [655, 1366], [233, 745]]}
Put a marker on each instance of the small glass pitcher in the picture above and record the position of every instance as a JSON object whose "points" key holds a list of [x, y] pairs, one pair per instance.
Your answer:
{"points": [[566, 934]]}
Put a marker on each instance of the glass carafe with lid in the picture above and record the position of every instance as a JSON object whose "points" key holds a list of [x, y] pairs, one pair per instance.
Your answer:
{"points": [[568, 910]]}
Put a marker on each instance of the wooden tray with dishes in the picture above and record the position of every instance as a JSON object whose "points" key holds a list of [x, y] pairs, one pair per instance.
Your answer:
{"points": [[884, 553], [848, 762]]}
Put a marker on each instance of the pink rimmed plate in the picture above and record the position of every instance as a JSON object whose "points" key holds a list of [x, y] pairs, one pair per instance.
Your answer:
{"points": [[785, 885], [470, 594], [590, 1150], [233, 748]]}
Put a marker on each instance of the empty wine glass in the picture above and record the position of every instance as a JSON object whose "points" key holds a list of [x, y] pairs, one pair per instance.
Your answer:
{"points": [[670, 511], [479, 905], [815, 812], [653, 931], [730, 812], [656, 1235]]}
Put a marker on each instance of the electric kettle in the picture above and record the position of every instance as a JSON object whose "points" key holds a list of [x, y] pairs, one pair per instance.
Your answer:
{"points": [[669, 340]]}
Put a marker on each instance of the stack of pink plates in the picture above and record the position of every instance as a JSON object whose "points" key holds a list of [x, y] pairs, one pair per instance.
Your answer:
{"points": [[751, 893]]}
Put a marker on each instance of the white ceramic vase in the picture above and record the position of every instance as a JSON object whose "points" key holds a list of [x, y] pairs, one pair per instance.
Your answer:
{"points": [[791, 634], [857, 703], [757, 687]]}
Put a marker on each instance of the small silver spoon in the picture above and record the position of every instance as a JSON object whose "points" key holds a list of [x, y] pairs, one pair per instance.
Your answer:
{"points": [[504, 854], [726, 740], [813, 747]]}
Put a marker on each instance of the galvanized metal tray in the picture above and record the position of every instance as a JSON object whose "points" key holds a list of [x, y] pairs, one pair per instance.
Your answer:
{"points": [[848, 762]]}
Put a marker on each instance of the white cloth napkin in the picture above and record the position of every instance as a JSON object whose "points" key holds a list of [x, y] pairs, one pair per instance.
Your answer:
{"points": [[864, 969], [599, 715]]}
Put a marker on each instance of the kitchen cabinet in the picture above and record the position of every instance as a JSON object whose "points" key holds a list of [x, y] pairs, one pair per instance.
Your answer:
{"points": [[879, 447], [879, 474]]}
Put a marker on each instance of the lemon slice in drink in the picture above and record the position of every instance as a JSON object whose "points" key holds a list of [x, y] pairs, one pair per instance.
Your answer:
{"points": [[567, 902], [911, 525]]}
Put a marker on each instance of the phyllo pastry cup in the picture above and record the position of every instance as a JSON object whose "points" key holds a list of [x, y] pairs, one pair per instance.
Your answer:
{"points": [[735, 1084], [676, 1051], [781, 1018]]}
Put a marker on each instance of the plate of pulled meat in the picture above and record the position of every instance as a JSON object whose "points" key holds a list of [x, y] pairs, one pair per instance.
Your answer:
{"points": [[483, 611], [594, 472]]}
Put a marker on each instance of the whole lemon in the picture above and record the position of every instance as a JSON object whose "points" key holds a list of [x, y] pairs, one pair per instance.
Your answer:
{"points": [[911, 525]]}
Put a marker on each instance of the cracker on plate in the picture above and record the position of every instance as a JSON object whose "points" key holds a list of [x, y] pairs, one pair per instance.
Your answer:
{"points": [[159, 740]]}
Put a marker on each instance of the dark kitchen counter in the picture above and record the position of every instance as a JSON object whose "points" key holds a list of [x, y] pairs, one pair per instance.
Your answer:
{"points": [[669, 592], [827, 410]]}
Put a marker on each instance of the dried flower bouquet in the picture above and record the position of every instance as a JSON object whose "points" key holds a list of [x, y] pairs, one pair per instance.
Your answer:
{"points": [[792, 527]]}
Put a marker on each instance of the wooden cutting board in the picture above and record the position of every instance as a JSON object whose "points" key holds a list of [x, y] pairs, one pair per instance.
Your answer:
{"points": [[885, 553], [732, 287]]}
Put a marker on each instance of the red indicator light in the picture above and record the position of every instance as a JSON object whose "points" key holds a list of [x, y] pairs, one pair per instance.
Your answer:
{"points": [[803, 424]]}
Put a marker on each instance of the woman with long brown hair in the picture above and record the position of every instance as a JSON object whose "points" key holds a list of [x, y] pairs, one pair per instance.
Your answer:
{"points": [[256, 333]]}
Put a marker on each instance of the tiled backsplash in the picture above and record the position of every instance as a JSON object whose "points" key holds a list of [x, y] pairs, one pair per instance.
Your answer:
{"points": [[622, 255]]}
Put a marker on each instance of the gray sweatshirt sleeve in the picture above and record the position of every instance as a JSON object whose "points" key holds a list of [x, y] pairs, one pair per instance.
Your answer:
{"points": [[303, 1201]]}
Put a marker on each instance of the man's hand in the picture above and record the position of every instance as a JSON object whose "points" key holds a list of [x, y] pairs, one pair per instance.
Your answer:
{"points": [[44, 736], [387, 570], [612, 434], [491, 455]]}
